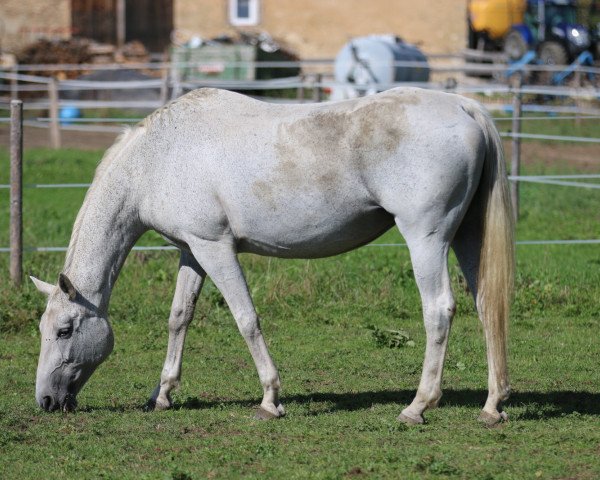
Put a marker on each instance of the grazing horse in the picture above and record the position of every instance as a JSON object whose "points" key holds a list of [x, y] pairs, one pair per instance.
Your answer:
{"points": [[217, 173]]}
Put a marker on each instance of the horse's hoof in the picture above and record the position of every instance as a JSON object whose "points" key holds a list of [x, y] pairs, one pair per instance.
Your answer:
{"points": [[262, 414], [491, 420], [408, 420], [159, 406], [156, 406]]}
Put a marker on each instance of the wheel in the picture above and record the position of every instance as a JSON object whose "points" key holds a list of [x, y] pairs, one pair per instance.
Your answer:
{"points": [[551, 53], [515, 46]]}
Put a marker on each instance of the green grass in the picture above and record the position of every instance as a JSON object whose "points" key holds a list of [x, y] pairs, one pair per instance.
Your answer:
{"points": [[342, 386]]}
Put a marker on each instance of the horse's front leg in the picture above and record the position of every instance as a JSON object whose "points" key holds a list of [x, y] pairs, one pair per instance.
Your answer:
{"points": [[221, 264], [429, 260], [189, 282]]}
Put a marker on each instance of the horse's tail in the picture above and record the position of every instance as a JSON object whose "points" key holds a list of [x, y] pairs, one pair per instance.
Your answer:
{"points": [[495, 278]]}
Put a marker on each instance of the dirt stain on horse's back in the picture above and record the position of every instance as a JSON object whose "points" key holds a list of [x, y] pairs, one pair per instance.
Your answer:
{"points": [[341, 136], [334, 142], [264, 191]]}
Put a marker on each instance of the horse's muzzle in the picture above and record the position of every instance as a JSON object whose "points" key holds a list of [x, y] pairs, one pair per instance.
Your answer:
{"points": [[49, 404]]}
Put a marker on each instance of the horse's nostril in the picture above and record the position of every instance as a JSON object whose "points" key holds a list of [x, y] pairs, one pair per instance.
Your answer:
{"points": [[46, 403]]}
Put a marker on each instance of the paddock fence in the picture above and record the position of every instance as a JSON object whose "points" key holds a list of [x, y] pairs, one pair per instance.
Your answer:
{"points": [[504, 92]]}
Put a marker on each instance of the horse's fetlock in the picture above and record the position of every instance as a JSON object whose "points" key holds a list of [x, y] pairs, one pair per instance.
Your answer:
{"points": [[169, 381], [434, 398], [272, 383], [504, 393]]}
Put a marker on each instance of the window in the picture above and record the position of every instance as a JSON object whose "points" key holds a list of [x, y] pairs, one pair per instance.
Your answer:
{"points": [[243, 12]]}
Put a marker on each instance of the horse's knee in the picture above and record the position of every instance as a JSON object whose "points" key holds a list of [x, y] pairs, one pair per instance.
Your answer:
{"points": [[438, 319], [182, 313], [177, 314], [248, 325], [177, 320]]}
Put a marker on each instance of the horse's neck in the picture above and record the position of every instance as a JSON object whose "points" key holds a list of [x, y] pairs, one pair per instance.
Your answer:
{"points": [[106, 229]]}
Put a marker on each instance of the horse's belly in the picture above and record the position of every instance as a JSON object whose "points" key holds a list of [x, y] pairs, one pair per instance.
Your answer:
{"points": [[312, 236]]}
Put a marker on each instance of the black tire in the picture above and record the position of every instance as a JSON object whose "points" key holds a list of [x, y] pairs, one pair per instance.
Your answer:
{"points": [[515, 46], [551, 53]]}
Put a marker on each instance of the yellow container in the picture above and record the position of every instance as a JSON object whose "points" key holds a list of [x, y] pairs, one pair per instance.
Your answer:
{"points": [[496, 16]]}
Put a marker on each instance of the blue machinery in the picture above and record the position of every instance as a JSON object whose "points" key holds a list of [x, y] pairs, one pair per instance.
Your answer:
{"points": [[584, 58]]}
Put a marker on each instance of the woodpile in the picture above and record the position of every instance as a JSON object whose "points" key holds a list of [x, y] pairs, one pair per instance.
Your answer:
{"points": [[78, 51], [43, 52]]}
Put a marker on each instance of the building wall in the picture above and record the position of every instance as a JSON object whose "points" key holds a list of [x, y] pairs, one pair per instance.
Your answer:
{"points": [[23, 21], [315, 29], [319, 28]]}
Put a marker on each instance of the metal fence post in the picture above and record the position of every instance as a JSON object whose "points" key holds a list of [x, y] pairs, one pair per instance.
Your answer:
{"points": [[317, 92], [300, 90], [164, 87], [515, 164], [16, 191], [14, 84], [54, 126]]}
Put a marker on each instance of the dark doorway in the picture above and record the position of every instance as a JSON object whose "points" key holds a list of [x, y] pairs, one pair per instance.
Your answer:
{"points": [[149, 21], [95, 19]]}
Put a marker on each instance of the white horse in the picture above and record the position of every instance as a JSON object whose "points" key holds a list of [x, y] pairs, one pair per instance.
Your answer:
{"points": [[217, 173]]}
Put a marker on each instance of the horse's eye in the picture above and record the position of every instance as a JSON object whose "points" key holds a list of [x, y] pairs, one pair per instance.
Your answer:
{"points": [[65, 332]]}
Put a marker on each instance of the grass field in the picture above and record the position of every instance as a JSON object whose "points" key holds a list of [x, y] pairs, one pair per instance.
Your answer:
{"points": [[341, 387]]}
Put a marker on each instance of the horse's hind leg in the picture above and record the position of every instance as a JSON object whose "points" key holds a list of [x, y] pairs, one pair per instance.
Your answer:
{"points": [[429, 255], [220, 262], [189, 282]]}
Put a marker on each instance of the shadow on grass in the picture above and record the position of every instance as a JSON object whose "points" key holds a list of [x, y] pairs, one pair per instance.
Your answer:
{"points": [[535, 405]]}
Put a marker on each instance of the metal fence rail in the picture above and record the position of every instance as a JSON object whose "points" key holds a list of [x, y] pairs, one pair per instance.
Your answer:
{"points": [[170, 248], [549, 179], [503, 96]]}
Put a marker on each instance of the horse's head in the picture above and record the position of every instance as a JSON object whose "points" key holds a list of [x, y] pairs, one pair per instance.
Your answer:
{"points": [[75, 340]]}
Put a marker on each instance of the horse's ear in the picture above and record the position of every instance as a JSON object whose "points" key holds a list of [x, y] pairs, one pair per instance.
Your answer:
{"points": [[42, 286], [67, 287]]}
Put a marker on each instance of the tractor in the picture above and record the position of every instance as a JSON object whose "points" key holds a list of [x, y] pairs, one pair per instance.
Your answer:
{"points": [[548, 27]]}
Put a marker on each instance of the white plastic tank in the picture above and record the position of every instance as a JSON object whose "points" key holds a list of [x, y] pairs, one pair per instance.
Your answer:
{"points": [[369, 64]]}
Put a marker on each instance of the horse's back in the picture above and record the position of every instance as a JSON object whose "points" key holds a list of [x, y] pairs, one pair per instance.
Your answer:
{"points": [[309, 180]]}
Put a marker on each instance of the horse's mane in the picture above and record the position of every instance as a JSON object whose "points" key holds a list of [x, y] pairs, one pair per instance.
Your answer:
{"points": [[120, 144], [129, 135], [195, 96]]}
